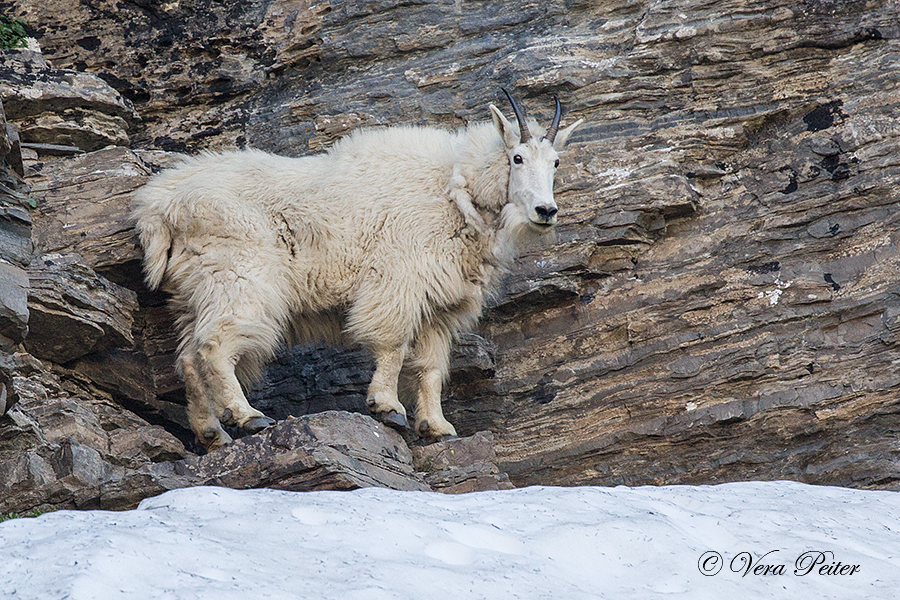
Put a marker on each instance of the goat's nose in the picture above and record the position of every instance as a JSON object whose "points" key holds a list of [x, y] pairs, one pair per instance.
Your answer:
{"points": [[546, 212]]}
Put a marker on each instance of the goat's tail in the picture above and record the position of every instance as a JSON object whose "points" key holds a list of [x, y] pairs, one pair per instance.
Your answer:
{"points": [[156, 240]]}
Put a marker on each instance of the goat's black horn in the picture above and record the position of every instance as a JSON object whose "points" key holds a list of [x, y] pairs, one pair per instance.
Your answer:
{"points": [[550, 136], [524, 134]]}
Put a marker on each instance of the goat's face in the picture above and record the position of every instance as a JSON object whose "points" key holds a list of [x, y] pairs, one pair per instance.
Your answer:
{"points": [[532, 166]]}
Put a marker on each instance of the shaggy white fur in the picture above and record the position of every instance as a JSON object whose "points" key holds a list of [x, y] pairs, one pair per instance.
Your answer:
{"points": [[390, 239]]}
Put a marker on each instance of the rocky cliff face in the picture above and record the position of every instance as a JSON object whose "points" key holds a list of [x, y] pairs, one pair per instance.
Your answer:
{"points": [[722, 299]]}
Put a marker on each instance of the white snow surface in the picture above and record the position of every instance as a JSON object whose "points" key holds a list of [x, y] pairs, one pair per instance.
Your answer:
{"points": [[540, 542]]}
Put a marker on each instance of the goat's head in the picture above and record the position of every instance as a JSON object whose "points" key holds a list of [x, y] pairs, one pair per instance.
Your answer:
{"points": [[532, 164]]}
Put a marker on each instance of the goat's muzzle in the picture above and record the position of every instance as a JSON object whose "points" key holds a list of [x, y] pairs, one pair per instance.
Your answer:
{"points": [[545, 216]]}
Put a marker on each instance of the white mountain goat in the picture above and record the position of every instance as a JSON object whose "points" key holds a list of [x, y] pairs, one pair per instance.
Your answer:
{"points": [[390, 239]]}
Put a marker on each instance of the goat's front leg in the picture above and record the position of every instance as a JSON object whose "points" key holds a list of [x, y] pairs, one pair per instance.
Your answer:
{"points": [[382, 397]]}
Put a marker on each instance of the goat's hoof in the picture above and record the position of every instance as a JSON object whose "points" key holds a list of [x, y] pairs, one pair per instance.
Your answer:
{"points": [[393, 419], [426, 432], [227, 417], [213, 438], [257, 424]]}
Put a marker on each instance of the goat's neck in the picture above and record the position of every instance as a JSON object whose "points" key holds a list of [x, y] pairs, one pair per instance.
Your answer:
{"points": [[489, 183], [496, 235], [481, 160], [502, 232], [479, 188]]}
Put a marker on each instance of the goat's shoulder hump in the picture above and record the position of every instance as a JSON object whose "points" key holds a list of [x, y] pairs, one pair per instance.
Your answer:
{"points": [[385, 140], [235, 161]]}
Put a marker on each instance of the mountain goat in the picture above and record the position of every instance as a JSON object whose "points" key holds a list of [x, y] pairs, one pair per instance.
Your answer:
{"points": [[390, 239]]}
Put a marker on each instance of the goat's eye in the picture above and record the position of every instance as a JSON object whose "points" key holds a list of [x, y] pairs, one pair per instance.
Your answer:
{"points": [[556, 164], [518, 159]]}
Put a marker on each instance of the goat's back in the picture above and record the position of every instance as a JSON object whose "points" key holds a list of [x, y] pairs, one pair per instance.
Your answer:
{"points": [[377, 196]]}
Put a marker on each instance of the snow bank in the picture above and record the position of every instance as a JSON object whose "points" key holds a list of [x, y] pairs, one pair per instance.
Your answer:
{"points": [[373, 544]]}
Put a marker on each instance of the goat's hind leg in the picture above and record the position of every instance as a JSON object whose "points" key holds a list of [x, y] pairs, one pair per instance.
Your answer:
{"points": [[430, 360], [217, 360], [201, 409], [215, 396], [233, 326]]}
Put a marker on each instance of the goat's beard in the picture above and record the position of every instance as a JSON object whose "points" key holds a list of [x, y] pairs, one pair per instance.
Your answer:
{"points": [[516, 232]]}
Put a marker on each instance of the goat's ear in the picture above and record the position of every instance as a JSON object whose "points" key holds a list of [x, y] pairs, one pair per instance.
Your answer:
{"points": [[509, 136], [563, 136]]}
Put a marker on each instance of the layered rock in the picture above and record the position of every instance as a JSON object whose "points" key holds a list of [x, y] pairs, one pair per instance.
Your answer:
{"points": [[66, 295], [66, 440], [721, 301], [15, 254], [461, 465], [84, 207], [88, 453], [62, 107], [13, 305]]}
